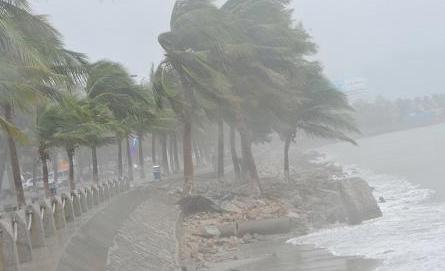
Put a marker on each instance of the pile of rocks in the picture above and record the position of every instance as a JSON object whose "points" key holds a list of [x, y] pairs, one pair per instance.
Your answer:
{"points": [[203, 235], [316, 195]]}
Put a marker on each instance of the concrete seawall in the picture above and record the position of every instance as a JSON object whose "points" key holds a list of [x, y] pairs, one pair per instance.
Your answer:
{"points": [[50, 235], [88, 248]]}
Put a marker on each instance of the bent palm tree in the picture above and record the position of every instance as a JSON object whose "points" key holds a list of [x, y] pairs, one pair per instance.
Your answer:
{"points": [[195, 28], [69, 124], [324, 113], [110, 84], [33, 62]]}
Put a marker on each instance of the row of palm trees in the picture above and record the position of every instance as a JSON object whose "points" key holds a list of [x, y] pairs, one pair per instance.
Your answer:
{"points": [[246, 64], [72, 103], [34, 64], [243, 65]]}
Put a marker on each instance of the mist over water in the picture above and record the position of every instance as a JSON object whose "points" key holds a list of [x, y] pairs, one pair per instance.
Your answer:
{"points": [[407, 169], [416, 155]]}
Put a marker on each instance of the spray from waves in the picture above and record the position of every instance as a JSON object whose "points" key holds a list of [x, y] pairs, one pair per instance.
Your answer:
{"points": [[409, 236]]}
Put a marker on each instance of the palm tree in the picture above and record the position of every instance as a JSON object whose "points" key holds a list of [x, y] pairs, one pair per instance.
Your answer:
{"points": [[33, 62], [73, 122], [194, 29], [324, 112], [143, 119], [102, 121], [258, 58], [110, 84]]}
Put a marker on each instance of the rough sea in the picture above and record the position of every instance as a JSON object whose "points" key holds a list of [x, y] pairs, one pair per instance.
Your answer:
{"points": [[408, 169]]}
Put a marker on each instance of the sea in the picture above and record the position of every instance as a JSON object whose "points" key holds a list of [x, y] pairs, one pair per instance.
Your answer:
{"points": [[407, 169]]}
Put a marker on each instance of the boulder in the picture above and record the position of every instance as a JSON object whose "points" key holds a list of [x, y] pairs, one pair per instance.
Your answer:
{"points": [[358, 201]]}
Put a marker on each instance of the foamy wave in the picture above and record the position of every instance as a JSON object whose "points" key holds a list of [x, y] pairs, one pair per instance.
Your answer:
{"points": [[409, 236]]}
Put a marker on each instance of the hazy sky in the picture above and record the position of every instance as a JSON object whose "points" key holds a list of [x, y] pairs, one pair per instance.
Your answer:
{"points": [[396, 45]]}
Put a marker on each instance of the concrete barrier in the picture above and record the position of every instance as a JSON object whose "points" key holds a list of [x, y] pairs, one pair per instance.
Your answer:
{"points": [[58, 214], [95, 193], [35, 238], [106, 191], [100, 189], [68, 208], [9, 260], [20, 233], [110, 189], [47, 217], [114, 187], [121, 186], [83, 201], [89, 197], [35, 226], [77, 209]]}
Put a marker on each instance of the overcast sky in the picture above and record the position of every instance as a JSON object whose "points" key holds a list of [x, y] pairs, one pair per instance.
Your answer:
{"points": [[396, 45]]}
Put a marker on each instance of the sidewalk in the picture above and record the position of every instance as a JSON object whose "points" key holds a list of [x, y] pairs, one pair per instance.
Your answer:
{"points": [[147, 239]]}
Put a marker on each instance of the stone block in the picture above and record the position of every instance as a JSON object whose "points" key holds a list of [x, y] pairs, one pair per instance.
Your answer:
{"points": [[67, 204], [95, 193], [47, 217], [9, 260], [83, 201], [75, 200], [35, 226], [89, 197], [20, 233], [58, 214]]}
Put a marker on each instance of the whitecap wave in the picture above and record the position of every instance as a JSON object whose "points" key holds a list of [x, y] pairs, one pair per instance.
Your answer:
{"points": [[409, 236]]}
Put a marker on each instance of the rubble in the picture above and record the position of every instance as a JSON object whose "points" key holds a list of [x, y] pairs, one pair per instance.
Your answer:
{"points": [[316, 195]]}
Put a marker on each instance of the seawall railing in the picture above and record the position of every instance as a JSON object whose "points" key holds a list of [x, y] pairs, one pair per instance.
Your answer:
{"points": [[31, 236]]}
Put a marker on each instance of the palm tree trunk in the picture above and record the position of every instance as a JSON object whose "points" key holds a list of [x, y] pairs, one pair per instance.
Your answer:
{"points": [[120, 167], [246, 146], [175, 152], [197, 153], [70, 152], [220, 148], [243, 163], [286, 157], [165, 166], [171, 156], [129, 159], [35, 164], [55, 165], [79, 165], [153, 148], [94, 162], [15, 165], [141, 156], [187, 142], [43, 153], [235, 159], [188, 158], [3, 160]]}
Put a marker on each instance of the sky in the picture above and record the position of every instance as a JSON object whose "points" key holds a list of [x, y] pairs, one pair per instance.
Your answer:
{"points": [[394, 46]]}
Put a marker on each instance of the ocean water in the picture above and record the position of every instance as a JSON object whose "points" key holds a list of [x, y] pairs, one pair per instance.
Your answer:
{"points": [[408, 169]]}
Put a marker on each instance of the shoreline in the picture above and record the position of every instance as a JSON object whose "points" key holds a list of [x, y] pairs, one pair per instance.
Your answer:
{"points": [[277, 254], [129, 250], [317, 196], [251, 252]]}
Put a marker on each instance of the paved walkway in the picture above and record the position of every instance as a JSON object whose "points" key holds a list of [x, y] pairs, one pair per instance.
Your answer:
{"points": [[147, 239], [135, 232]]}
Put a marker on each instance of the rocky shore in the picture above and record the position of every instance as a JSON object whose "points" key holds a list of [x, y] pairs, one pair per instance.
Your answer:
{"points": [[230, 230], [317, 195]]}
